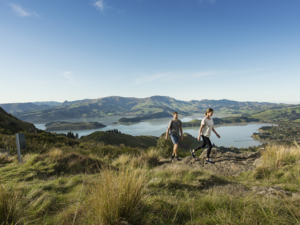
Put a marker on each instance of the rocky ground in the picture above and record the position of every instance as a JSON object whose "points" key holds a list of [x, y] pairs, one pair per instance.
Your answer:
{"points": [[228, 164]]}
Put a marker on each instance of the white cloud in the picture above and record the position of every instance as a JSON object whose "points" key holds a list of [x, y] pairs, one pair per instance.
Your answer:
{"points": [[99, 5], [22, 12], [67, 74]]}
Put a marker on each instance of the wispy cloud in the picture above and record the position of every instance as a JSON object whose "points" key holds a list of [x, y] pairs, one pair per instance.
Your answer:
{"points": [[67, 75], [168, 76], [209, 74], [99, 5], [74, 79], [21, 11]]}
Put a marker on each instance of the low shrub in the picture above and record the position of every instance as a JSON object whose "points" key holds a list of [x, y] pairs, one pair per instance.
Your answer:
{"points": [[164, 147]]}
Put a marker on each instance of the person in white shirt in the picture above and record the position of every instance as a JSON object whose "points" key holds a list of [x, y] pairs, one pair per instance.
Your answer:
{"points": [[207, 125]]}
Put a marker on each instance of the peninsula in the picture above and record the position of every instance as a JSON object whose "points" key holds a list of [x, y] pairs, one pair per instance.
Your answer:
{"points": [[54, 126]]}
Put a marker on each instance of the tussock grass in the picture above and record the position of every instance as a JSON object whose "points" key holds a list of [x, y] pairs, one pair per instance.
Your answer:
{"points": [[5, 158], [116, 197], [149, 158], [12, 205], [277, 156], [122, 160], [55, 152], [73, 163], [279, 162], [185, 207]]}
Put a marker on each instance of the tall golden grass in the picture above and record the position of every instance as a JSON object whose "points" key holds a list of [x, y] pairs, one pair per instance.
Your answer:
{"points": [[148, 158], [276, 156], [116, 197], [12, 206]]}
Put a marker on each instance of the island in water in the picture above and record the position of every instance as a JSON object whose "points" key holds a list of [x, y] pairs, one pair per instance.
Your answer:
{"points": [[146, 117], [59, 125]]}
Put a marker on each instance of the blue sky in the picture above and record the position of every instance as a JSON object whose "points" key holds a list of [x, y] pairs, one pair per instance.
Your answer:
{"points": [[244, 50]]}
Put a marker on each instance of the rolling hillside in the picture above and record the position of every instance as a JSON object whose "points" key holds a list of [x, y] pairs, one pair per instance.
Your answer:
{"points": [[276, 114], [10, 124], [108, 106], [23, 107]]}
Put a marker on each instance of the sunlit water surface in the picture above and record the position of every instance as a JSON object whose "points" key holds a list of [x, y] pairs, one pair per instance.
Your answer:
{"points": [[237, 135]]}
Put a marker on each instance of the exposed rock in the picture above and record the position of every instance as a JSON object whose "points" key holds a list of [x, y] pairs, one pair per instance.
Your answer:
{"points": [[276, 192], [258, 161]]}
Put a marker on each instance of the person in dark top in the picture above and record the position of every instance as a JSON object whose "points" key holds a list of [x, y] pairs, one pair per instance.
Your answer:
{"points": [[174, 127]]}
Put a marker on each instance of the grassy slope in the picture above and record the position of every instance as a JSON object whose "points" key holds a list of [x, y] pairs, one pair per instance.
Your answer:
{"points": [[55, 188], [11, 124], [144, 141], [272, 114]]}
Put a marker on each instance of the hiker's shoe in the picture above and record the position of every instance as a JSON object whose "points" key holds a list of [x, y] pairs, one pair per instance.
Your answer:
{"points": [[177, 158], [193, 153], [209, 161], [172, 157]]}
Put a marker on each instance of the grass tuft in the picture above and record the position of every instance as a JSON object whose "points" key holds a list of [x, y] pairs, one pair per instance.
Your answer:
{"points": [[12, 205], [117, 197]]}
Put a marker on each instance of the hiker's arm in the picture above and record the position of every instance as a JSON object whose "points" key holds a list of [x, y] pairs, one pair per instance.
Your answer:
{"points": [[167, 133], [200, 131], [213, 129], [181, 133]]}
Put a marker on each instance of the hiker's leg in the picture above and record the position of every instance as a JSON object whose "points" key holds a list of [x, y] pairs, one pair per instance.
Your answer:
{"points": [[201, 145], [209, 147], [175, 140], [175, 149]]}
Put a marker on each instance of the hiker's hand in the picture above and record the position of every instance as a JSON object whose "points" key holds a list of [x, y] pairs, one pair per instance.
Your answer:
{"points": [[181, 138], [218, 136], [166, 138], [199, 138]]}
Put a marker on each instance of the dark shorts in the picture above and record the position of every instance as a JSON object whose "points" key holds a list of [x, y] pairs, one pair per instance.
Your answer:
{"points": [[174, 139]]}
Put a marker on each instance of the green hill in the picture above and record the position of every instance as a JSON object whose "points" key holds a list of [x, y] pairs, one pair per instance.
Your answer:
{"points": [[120, 106], [287, 113], [10, 124], [24, 107], [108, 138]]}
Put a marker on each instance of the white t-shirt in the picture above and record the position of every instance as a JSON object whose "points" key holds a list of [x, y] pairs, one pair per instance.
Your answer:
{"points": [[208, 125]]}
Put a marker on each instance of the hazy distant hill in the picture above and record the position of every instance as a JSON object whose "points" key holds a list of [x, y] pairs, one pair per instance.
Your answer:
{"points": [[23, 107], [114, 105], [50, 103], [10, 124]]}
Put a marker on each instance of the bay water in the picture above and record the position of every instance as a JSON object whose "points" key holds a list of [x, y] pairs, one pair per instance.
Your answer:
{"points": [[236, 135]]}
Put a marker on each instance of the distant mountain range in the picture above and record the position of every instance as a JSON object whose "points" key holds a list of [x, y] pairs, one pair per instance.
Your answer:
{"points": [[23, 107], [121, 106]]}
